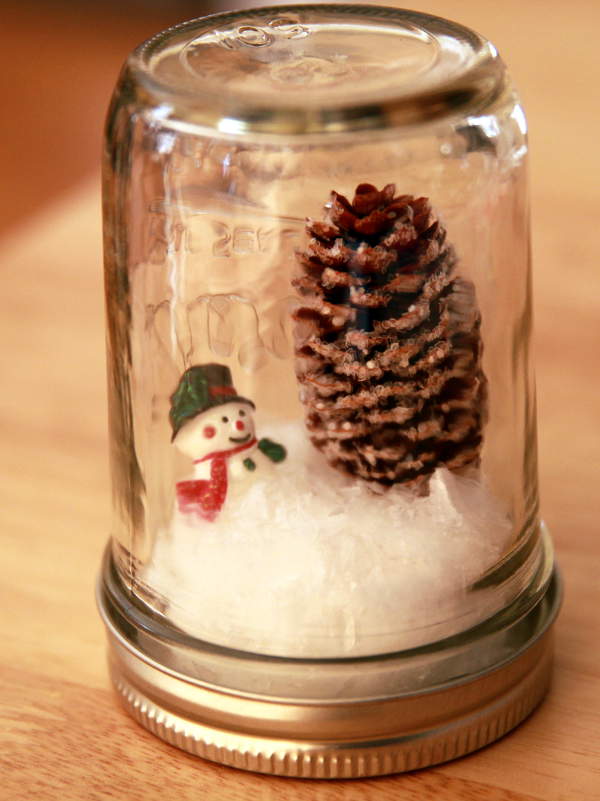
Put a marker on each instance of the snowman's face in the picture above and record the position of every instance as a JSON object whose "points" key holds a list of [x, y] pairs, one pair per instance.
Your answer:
{"points": [[219, 429]]}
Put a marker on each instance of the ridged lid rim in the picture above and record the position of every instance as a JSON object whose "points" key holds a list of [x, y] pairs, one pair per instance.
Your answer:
{"points": [[329, 739]]}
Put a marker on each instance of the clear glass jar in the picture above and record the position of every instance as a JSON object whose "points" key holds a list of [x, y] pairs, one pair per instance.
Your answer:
{"points": [[423, 519], [322, 407]]}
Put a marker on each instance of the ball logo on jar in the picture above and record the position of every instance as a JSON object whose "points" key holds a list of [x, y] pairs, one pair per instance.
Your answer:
{"points": [[285, 27], [253, 36]]}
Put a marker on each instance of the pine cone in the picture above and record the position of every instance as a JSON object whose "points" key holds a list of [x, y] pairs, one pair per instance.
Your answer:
{"points": [[387, 342]]}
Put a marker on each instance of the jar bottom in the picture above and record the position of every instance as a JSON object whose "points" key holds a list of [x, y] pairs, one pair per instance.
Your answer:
{"points": [[341, 718]]}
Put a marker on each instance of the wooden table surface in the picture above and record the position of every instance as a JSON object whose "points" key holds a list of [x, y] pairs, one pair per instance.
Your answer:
{"points": [[63, 734]]}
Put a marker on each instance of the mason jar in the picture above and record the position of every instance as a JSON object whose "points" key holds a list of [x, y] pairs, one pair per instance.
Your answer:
{"points": [[322, 410]]}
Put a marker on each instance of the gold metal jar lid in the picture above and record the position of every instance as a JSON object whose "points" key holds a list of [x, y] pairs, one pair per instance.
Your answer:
{"points": [[331, 718]]}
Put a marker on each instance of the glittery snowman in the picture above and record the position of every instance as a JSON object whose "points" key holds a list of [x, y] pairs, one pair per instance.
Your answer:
{"points": [[214, 426]]}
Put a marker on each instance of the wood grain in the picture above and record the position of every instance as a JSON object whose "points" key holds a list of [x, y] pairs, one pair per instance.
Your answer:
{"points": [[63, 734]]}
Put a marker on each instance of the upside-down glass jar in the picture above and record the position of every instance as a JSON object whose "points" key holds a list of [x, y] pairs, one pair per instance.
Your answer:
{"points": [[326, 558]]}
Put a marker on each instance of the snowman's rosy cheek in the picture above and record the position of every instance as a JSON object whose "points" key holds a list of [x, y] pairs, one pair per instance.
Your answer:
{"points": [[209, 431]]}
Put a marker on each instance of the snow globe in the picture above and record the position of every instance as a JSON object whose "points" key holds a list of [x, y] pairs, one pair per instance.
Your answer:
{"points": [[326, 558]]}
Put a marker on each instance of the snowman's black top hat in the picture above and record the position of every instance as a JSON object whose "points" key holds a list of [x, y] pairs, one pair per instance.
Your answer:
{"points": [[200, 388]]}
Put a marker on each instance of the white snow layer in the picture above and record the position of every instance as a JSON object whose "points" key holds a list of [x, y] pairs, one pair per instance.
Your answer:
{"points": [[307, 562]]}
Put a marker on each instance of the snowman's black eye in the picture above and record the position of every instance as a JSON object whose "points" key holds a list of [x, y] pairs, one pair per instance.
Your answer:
{"points": [[225, 419], [242, 413]]}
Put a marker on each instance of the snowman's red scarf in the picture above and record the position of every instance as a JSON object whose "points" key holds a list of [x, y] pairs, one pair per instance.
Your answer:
{"points": [[228, 453], [205, 497]]}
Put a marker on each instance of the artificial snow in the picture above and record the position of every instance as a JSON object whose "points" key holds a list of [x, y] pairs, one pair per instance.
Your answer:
{"points": [[307, 562]]}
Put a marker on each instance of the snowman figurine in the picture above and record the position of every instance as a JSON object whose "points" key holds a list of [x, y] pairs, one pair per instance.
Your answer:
{"points": [[214, 426]]}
